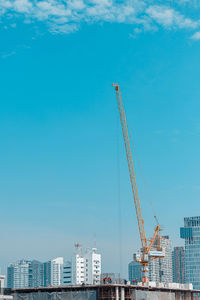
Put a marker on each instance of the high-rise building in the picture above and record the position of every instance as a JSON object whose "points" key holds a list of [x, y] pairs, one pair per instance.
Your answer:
{"points": [[78, 266], [53, 272], [56, 271], [36, 274], [92, 266], [178, 264], [191, 233], [18, 274], [134, 270], [47, 273], [83, 268], [67, 273], [23, 274], [160, 269], [86, 268]]}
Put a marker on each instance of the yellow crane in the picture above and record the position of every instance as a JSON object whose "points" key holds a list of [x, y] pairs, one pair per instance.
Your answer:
{"points": [[147, 245]]}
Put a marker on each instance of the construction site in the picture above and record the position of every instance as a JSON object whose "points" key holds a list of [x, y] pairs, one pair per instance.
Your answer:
{"points": [[103, 292], [150, 250]]}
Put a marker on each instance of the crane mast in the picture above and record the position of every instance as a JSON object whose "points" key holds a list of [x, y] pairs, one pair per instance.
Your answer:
{"points": [[146, 244]]}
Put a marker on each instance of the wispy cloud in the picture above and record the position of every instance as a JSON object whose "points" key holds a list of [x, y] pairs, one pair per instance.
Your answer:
{"points": [[14, 51], [196, 36], [65, 16], [5, 55], [169, 18]]}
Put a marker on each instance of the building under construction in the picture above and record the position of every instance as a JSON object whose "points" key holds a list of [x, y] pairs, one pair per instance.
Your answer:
{"points": [[104, 292]]}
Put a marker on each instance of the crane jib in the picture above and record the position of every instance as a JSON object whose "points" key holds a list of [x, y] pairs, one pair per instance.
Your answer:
{"points": [[145, 246]]}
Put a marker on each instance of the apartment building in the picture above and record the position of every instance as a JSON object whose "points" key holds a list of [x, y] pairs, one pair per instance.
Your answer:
{"points": [[160, 270], [86, 267], [18, 274]]}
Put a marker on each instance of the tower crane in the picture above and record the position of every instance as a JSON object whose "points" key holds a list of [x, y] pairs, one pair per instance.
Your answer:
{"points": [[150, 248]]}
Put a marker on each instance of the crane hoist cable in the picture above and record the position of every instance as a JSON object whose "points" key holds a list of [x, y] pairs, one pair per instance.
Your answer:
{"points": [[143, 178]]}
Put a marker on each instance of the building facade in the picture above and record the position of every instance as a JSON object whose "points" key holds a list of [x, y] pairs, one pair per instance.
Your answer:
{"points": [[191, 234], [134, 271], [86, 267], [24, 274], [160, 269], [67, 273], [36, 277], [178, 255], [57, 271], [78, 266], [92, 266], [53, 272], [18, 274], [47, 273]]}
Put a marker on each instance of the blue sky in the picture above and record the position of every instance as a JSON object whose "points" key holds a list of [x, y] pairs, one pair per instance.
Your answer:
{"points": [[61, 141]]}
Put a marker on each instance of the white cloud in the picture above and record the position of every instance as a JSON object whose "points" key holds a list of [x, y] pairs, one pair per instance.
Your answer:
{"points": [[169, 18], [63, 28], [44, 9], [65, 16], [196, 36], [5, 4], [76, 4], [22, 6]]}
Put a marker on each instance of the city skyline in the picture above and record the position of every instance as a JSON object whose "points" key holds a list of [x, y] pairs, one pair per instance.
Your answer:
{"points": [[83, 267], [64, 176], [169, 249]]}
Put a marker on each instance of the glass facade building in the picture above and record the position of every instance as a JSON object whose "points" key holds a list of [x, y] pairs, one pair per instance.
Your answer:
{"points": [[47, 273], [191, 233], [178, 257], [134, 270], [36, 272]]}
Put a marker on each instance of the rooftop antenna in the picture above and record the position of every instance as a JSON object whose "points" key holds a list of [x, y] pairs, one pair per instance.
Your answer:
{"points": [[95, 240]]}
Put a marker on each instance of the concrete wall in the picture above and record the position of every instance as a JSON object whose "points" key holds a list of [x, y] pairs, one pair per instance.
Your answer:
{"points": [[148, 295], [83, 295]]}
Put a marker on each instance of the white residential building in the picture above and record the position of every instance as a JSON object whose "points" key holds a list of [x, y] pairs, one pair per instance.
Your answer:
{"points": [[57, 271], [92, 266], [86, 268], [78, 266]]}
